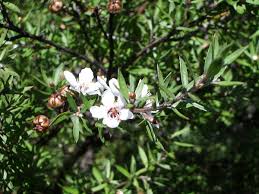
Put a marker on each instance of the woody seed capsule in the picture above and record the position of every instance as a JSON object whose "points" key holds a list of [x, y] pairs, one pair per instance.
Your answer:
{"points": [[55, 5], [55, 100], [114, 6], [41, 123]]}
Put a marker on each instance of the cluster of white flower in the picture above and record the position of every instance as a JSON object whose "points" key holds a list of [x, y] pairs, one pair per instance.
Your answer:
{"points": [[113, 108]]}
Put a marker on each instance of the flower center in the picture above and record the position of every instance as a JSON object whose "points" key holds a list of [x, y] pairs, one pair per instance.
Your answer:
{"points": [[113, 112]]}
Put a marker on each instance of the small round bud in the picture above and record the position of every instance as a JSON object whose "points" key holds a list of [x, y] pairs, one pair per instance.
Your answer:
{"points": [[114, 6], [119, 192], [41, 123], [132, 95], [55, 5], [56, 100], [62, 26]]}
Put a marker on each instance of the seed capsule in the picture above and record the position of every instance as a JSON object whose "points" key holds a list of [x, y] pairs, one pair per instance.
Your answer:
{"points": [[114, 6], [56, 100], [64, 91], [41, 123], [132, 97], [55, 5]]}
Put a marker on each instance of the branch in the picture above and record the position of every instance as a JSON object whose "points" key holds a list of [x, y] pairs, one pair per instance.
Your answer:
{"points": [[168, 38], [25, 34], [99, 22], [111, 45], [181, 96]]}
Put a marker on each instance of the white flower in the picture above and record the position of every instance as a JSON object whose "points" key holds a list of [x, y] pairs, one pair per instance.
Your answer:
{"points": [[85, 83], [113, 85], [112, 110]]}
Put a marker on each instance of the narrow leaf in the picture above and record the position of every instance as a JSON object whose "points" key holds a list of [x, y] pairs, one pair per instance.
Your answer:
{"points": [[143, 156], [233, 56], [123, 86], [184, 72]]}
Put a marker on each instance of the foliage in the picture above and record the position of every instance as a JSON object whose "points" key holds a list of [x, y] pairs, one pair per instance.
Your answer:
{"points": [[200, 61]]}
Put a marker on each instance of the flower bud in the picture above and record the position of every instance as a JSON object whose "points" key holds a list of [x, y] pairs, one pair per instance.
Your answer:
{"points": [[55, 5], [56, 100], [119, 192], [132, 97], [41, 123], [114, 6]]}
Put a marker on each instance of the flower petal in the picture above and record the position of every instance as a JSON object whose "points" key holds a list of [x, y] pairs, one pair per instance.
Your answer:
{"points": [[71, 80], [91, 89], [120, 102], [126, 114], [108, 98], [102, 81], [86, 76], [114, 86], [111, 122], [144, 91], [98, 111]]}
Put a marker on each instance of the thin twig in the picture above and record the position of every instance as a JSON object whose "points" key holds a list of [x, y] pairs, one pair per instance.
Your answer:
{"points": [[25, 34], [181, 96], [99, 22], [111, 45]]}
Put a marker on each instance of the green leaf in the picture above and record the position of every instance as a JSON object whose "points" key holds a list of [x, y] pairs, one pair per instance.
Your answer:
{"points": [[184, 72], [199, 106], [76, 127], [233, 56], [228, 83], [72, 103], [99, 187], [123, 171], [12, 7], [97, 175], [59, 118], [123, 86], [208, 59], [3, 35], [183, 131], [150, 132], [143, 156], [188, 145], [178, 113], [160, 77], [214, 68]]}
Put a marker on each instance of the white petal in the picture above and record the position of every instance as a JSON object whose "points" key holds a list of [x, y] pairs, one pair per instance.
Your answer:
{"points": [[72, 81], [102, 81], [91, 89], [70, 78], [121, 102], [126, 114], [86, 76], [108, 98], [144, 91], [111, 122], [114, 86], [98, 111]]}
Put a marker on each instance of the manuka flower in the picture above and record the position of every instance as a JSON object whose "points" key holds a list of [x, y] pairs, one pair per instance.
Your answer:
{"points": [[112, 110], [85, 83]]}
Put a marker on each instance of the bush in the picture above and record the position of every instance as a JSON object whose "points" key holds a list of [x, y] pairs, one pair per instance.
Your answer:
{"points": [[166, 99]]}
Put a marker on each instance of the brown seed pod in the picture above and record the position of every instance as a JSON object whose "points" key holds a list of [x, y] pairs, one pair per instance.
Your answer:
{"points": [[64, 91], [55, 5], [114, 6], [41, 123], [132, 97], [56, 100]]}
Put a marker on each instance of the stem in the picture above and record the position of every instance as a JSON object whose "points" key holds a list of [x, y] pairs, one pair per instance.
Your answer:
{"points": [[111, 45]]}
